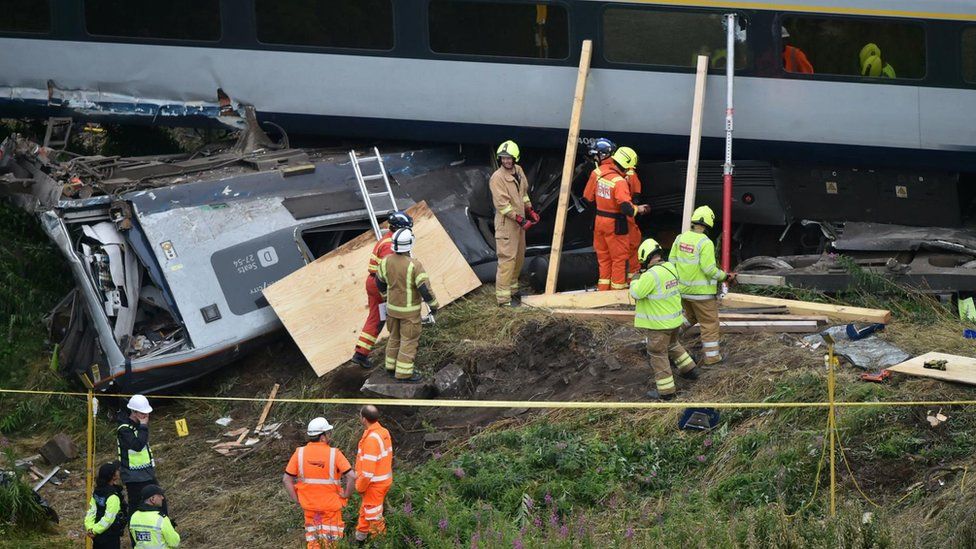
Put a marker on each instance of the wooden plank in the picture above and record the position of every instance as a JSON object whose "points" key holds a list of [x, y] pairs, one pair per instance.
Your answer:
{"points": [[323, 305], [267, 408], [694, 144], [961, 369], [627, 315], [760, 279], [579, 300], [743, 327], [569, 163], [843, 313]]}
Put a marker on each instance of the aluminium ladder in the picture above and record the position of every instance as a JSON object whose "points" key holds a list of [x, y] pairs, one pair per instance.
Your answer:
{"points": [[368, 196]]}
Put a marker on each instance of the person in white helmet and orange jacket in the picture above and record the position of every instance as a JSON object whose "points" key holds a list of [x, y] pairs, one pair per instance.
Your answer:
{"points": [[138, 467], [513, 216]]}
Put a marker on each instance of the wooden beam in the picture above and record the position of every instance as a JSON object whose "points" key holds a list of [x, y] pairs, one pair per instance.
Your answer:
{"points": [[694, 144], [842, 313], [267, 408], [627, 315], [569, 163], [579, 300], [961, 369], [756, 327], [760, 279]]}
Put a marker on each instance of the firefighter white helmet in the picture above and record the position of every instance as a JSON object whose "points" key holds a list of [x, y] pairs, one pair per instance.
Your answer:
{"points": [[139, 403], [318, 426], [402, 241]]}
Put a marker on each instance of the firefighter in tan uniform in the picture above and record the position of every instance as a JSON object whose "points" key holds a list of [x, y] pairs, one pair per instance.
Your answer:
{"points": [[513, 216], [403, 282]]}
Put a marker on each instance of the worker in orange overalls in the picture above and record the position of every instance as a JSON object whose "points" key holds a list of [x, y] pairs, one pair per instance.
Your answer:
{"points": [[794, 59], [374, 473], [628, 160], [313, 480], [377, 309], [608, 190]]}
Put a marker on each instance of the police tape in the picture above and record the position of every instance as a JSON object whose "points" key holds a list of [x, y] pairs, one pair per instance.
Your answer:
{"points": [[594, 405]]}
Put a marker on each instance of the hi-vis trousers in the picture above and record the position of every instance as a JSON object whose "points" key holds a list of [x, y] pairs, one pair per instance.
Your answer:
{"points": [[371, 521], [510, 249], [323, 529], [662, 345], [705, 312], [401, 347]]}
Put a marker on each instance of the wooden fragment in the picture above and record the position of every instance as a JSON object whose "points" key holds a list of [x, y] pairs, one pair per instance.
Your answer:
{"points": [[323, 304], [694, 144], [961, 369], [241, 438], [841, 313], [267, 408], [760, 279], [579, 300], [796, 324], [569, 163]]}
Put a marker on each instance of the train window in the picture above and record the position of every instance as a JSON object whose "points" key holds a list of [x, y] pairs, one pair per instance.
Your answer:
{"points": [[165, 19], [853, 47], [969, 55], [533, 30], [357, 24], [668, 38], [25, 16]]}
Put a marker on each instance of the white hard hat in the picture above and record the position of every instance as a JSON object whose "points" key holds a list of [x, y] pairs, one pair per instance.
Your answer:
{"points": [[139, 403], [318, 426], [402, 241]]}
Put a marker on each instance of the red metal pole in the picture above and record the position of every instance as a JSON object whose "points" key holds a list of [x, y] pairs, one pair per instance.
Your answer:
{"points": [[726, 222], [730, 27]]}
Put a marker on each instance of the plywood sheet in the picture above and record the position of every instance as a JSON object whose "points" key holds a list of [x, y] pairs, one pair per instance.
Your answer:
{"points": [[323, 305], [961, 369]]}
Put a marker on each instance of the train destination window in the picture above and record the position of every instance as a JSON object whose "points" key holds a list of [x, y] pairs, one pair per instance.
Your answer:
{"points": [[166, 19], [969, 55], [868, 48], [355, 24], [25, 16], [668, 38], [533, 30]]}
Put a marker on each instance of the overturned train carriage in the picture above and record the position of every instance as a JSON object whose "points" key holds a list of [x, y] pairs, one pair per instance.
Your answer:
{"points": [[170, 255]]}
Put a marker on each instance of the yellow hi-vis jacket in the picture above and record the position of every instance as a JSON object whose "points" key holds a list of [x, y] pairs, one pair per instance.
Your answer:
{"points": [[658, 300], [694, 256], [151, 530]]}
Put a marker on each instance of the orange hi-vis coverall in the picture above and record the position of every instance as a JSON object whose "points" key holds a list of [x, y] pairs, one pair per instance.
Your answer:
{"points": [[614, 205], [374, 476], [318, 470], [633, 231], [374, 324]]}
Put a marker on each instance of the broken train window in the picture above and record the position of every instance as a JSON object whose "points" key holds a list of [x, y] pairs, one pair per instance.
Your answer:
{"points": [[165, 19], [25, 16]]}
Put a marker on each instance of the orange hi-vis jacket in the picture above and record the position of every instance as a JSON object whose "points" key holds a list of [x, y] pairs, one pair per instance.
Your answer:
{"points": [[318, 469], [794, 60], [382, 249], [608, 189], [374, 459], [633, 182]]}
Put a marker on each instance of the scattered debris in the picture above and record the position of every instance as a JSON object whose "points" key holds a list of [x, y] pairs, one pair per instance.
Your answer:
{"points": [[876, 377], [870, 353], [936, 419], [450, 381], [267, 407], [59, 449], [46, 478], [224, 421], [261, 434]]}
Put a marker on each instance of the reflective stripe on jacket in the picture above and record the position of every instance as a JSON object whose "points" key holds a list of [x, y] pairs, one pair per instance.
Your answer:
{"points": [[318, 469], [694, 256], [404, 277], [374, 458], [658, 299], [608, 189], [151, 530], [509, 194], [382, 249], [137, 465]]}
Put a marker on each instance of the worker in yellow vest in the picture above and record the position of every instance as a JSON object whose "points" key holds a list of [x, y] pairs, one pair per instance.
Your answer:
{"points": [[659, 314], [149, 526], [693, 254]]}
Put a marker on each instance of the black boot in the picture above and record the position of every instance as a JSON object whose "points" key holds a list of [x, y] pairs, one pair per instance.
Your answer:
{"points": [[415, 378], [361, 360], [654, 395], [690, 374]]}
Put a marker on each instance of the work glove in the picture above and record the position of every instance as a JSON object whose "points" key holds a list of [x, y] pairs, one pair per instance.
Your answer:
{"points": [[526, 224], [533, 215], [730, 277], [429, 319]]}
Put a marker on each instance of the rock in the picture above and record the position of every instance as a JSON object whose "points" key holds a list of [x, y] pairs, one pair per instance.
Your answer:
{"points": [[612, 363], [450, 381], [59, 449], [434, 439], [382, 384]]}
